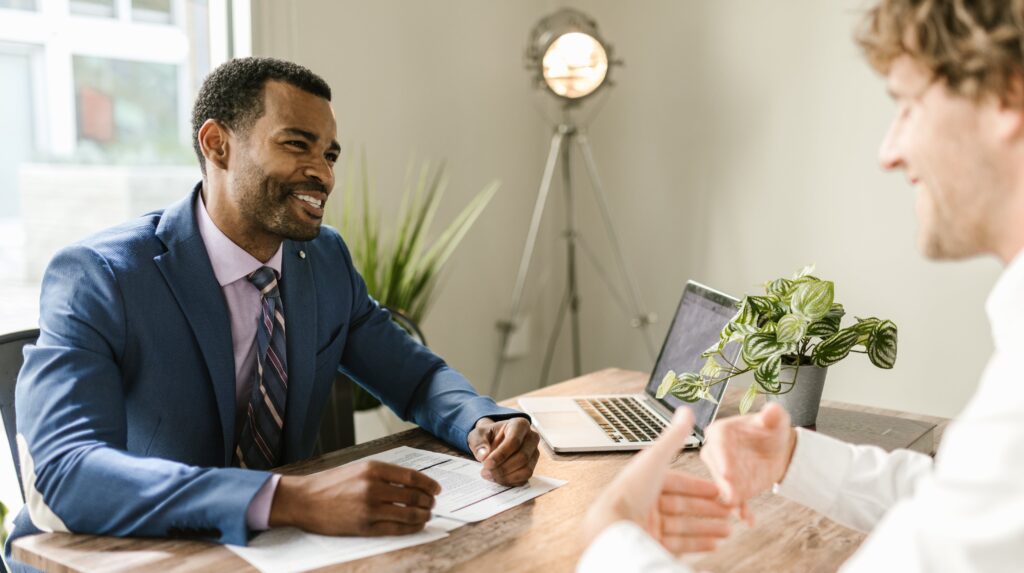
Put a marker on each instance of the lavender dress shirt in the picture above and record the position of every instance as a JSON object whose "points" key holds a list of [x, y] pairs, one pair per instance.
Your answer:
{"points": [[231, 265]]}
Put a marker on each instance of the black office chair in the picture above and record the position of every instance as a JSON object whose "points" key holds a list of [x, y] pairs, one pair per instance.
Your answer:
{"points": [[11, 357], [337, 429]]}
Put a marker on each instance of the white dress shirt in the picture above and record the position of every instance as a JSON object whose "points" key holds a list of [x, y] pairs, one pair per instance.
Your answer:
{"points": [[964, 512]]}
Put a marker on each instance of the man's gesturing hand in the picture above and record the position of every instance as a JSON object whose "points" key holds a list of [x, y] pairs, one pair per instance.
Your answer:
{"points": [[747, 454], [364, 498], [508, 449], [681, 511]]}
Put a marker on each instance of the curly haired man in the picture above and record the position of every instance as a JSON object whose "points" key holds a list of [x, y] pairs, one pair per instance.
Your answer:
{"points": [[955, 69]]}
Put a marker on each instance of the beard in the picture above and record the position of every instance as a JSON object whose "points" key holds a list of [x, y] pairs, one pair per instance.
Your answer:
{"points": [[946, 233], [267, 203]]}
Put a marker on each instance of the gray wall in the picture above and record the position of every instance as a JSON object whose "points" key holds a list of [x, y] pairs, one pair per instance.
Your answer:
{"points": [[738, 145]]}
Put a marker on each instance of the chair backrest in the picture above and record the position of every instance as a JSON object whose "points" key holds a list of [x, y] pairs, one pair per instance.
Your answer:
{"points": [[11, 358]]}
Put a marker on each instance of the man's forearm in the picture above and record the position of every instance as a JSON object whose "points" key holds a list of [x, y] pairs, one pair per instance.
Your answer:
{"points": [[854, 485], [287, 502]]}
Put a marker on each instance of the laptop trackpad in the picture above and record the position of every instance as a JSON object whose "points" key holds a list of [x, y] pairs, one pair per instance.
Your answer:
{"points": [[569, 425]]}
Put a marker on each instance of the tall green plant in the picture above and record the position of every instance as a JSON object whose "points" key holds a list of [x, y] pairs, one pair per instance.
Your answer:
{"points": [[401, 266], [795, 323]]}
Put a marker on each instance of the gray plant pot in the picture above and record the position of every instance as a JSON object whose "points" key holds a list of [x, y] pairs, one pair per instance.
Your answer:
{"points": [[803, 400]]}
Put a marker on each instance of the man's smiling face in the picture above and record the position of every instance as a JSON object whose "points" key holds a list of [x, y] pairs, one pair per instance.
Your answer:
{"points": [[282, 170], [940, 140]]}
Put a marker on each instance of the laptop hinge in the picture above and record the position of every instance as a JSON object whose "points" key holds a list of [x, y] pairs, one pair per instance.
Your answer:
{"points": [[658, 407]]}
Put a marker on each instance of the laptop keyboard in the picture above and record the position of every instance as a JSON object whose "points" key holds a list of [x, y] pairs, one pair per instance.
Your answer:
{"points": [[623, 419]]}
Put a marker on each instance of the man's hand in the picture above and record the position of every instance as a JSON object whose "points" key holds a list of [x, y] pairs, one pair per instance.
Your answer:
{"points": [[747, 454], [508, 449], [679, 510], [367, 498]]}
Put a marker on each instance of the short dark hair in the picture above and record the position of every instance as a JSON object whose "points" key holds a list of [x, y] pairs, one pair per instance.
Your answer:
{"points": [[233, 93]]}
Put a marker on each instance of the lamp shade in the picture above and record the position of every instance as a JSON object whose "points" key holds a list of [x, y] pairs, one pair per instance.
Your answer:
{"points": [[568, 56]]}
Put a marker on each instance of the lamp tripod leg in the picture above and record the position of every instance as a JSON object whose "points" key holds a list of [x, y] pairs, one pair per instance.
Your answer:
{"points": [[506, 327], [571, 236], [549, 354]]}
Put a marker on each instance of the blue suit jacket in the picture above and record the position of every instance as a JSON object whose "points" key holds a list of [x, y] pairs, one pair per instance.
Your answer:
{"points": [[126, 404]]}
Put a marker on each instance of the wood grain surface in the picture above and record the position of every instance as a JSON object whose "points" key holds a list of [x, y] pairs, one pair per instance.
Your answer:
{"points": [[543, 534]]}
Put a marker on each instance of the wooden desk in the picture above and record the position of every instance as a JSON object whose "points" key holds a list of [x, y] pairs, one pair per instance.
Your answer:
{"points": [[542, 535]]}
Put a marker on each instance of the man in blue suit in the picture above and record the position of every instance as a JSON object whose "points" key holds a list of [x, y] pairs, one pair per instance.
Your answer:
{"points": [[185, 354]]}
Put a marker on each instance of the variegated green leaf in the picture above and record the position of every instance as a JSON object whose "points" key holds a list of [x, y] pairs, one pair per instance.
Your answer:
{"points": [[823, 328], [804, 272], [708, 396], [864, 327], [762, 306], [790, 328], [713, 350], [747, 313], [666, 384], [744, 329], [828, 324], [711, 368], [758, 347], [781, 288], [813, 300], [834, 348], [748, 399], [767, 374], [882, 345], [688, 387]]}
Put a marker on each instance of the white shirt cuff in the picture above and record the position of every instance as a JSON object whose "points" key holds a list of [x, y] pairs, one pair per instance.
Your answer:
{"points": [[622, 547], [817, 471]]}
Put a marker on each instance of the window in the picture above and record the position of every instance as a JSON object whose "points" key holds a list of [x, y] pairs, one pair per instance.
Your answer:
{"points": [[127, 112], [19, 4], [100, 8], [155, 11], [95, 94]]}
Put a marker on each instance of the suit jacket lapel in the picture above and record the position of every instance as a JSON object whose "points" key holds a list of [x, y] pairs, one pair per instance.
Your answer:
{"points": [[298, 294], [186, 268]]}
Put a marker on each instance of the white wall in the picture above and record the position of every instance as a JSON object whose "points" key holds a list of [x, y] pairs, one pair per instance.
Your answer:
{"points": [[738, 145], [437, 80], [751, 128]]}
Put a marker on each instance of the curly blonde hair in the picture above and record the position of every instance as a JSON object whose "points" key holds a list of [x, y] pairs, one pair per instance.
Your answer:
{"points": [[976, 46]]}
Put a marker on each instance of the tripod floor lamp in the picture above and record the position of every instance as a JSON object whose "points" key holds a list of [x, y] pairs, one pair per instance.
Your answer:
{"points": [[571, 61]]}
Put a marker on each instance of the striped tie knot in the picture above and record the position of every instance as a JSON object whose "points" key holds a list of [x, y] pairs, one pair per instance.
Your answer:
{"points": [[265, 280]]}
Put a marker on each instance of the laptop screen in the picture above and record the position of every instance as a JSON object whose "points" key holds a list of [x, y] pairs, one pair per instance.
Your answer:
{"points": [[701, 316]]}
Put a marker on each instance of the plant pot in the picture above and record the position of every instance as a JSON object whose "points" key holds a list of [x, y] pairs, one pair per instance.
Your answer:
{"points": [[377, 423], [803, 399]]}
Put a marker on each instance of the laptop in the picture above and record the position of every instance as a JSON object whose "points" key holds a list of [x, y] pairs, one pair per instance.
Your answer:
{"points": [[633, 421]]}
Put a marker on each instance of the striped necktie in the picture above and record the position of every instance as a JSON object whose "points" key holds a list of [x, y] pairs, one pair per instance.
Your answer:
{"points": [[259, 444]]}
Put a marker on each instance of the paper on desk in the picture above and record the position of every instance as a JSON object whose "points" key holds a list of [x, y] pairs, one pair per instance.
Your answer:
{"points": [[290, 550], [465, 496]]}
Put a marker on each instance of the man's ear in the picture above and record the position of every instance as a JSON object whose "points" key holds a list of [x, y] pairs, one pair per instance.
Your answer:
{"points": [[1010, 115], [213, 141]]}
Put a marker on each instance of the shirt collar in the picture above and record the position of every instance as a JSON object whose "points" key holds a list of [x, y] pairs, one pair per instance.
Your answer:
{"points": [[230, 262], [1005, 305]]}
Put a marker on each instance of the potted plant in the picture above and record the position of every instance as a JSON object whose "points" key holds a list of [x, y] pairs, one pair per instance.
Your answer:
{"points": [[787, 337], [401, 266]]}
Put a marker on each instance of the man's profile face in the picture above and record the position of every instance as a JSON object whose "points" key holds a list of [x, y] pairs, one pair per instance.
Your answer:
{"points": [[938, 140], [283, 167]]}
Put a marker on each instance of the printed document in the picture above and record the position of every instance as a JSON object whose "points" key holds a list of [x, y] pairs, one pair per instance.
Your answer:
{"points": [[465, 497]]}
